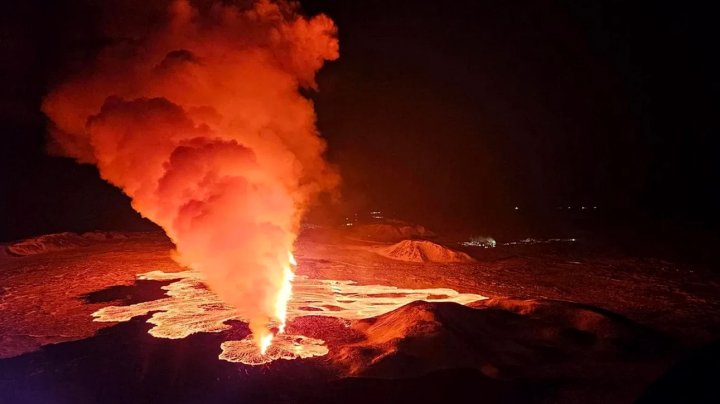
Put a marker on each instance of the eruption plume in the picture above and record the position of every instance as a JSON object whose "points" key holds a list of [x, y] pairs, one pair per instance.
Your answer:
{"points": [[201, 122]]}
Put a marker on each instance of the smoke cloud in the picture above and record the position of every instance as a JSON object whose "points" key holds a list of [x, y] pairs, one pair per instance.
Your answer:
{"points": [[201, 122]]}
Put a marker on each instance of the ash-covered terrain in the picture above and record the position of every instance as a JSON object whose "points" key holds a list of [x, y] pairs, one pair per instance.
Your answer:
{"points": [[109, 317]]}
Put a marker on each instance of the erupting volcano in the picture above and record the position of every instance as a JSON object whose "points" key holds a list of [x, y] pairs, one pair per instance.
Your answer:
{"points": [[522, 217], [200, 121]]}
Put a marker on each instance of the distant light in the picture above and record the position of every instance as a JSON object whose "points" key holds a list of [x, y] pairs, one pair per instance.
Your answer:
{"points": [[517, 208], [569, 207], [594, 207], [582, 207], [480, 241], [531, 241]]}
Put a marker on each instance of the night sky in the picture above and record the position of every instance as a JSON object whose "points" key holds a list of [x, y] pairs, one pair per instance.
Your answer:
{"points": [[437, 112]]}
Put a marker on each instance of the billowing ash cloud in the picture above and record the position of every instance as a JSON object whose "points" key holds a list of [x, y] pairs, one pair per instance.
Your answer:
{"points": [[201, 123]]}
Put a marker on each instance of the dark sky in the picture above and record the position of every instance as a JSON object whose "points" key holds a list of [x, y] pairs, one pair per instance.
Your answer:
{"points": [[438, 111]]}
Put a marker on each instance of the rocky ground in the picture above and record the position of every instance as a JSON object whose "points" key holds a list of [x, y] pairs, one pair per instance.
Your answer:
{"points": [[565, 322]]}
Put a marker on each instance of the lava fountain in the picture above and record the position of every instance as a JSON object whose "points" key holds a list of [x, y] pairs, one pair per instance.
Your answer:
{"points": [[265, 336], [190, 308], [197, 116]]}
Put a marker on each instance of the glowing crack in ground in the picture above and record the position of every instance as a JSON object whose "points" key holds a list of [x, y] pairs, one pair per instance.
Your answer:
{"points": [[191, 308]]}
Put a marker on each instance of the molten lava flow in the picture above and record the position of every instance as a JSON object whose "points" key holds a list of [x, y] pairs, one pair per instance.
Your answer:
{"points": [[198, 117], [191, 308], [288, 347]]}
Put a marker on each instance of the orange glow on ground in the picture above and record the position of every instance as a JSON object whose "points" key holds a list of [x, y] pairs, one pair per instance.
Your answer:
{"points": [[287, 347], [190, 307]]}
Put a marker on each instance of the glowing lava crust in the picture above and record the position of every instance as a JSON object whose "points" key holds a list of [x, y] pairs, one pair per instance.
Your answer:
{"points": [[190, 307]]}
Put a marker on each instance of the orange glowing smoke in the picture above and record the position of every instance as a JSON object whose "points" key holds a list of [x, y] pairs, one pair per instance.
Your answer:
{"points": [[201, 123]]}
